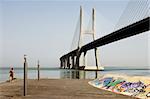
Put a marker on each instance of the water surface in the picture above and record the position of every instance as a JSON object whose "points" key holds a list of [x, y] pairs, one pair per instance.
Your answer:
{"points": [[56, 73]]}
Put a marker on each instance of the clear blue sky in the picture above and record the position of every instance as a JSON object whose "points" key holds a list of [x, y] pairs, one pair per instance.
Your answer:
{"points": [[44, 29]]}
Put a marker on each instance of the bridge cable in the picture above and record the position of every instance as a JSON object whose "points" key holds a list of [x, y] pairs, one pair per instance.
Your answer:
{"points": [[134, 11]]}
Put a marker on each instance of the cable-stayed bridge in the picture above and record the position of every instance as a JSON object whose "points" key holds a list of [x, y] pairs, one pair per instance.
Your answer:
{"points": [[137, 23]]}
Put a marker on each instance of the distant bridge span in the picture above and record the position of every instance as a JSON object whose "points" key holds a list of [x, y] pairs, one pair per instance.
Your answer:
{"points": [[128, 31]]}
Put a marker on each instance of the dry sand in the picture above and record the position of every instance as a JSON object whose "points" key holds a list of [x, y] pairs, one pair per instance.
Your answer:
{"points": [[55, 89]]}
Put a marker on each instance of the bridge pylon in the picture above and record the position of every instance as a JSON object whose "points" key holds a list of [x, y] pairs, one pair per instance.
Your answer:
{"points": [[80, 41], [72, 59]]}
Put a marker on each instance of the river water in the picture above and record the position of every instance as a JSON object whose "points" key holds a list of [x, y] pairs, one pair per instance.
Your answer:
{"points": [[56, 73]]}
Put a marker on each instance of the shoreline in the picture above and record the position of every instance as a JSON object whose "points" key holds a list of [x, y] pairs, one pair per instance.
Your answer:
{"points": [[55, 89]]}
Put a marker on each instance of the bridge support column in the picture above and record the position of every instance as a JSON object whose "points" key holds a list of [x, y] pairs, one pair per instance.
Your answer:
{"points": [[72, 62], [96, 58], [68, 62], [63, 60], [61, 63], [64, 63], [84, 59], [78, 60]]}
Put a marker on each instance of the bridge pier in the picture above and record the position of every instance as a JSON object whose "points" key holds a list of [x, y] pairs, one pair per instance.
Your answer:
{"points": [[73, 57], [96, 58], [68, 62], [61, 63], [77, 62], [84, 59], [64, 63]]}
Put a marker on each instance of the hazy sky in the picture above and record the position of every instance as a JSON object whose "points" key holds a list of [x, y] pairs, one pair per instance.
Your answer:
{"points": [[44, 29]]}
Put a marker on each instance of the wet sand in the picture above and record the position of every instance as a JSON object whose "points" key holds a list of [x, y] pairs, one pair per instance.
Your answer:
{"points": [[55, 89]]}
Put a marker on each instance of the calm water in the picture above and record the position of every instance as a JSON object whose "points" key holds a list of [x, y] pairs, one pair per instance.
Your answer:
{"points": [[69, 74]]}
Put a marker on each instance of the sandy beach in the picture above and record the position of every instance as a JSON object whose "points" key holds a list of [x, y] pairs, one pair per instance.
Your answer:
{"points": [[55, 89]]}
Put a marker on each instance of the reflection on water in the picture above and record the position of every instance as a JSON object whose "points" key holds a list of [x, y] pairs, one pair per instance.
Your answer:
{"points": [[76, 74], [72, 74]]}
